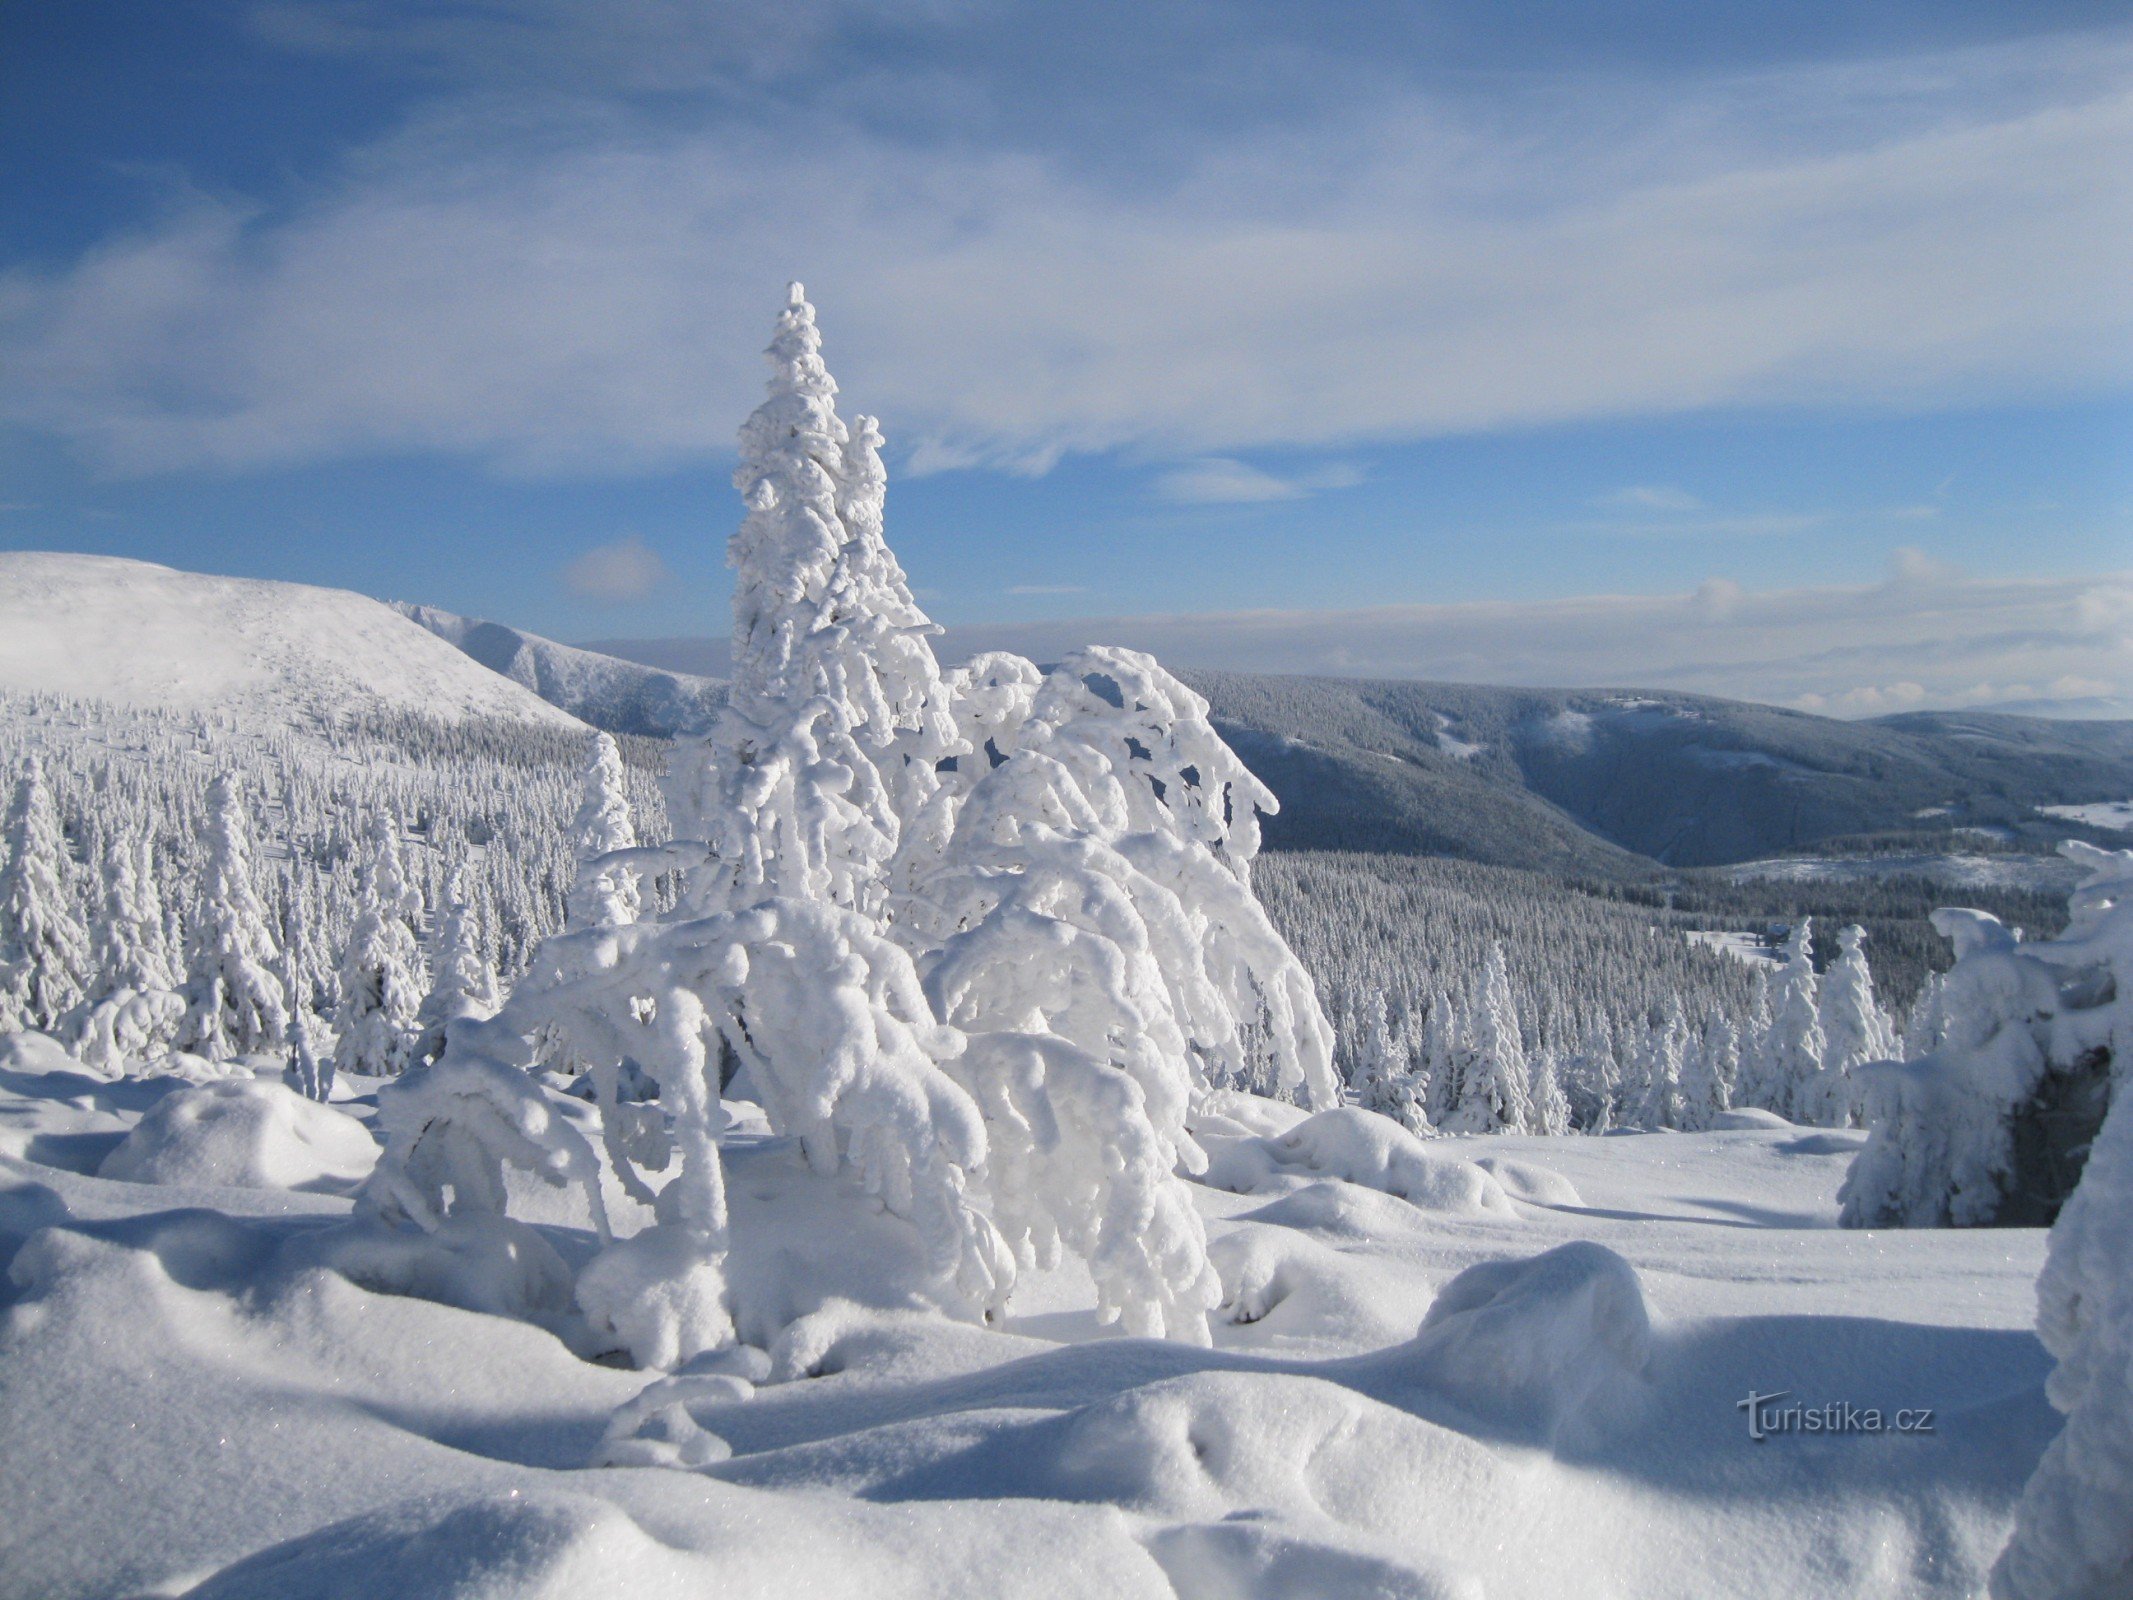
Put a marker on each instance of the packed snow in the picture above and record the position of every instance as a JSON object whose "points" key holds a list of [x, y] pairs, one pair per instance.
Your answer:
{"points": [[223, 1387]]}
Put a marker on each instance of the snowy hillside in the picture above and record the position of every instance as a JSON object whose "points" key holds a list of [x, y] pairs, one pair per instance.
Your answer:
{"points": [[271, 655], [605, 691]]}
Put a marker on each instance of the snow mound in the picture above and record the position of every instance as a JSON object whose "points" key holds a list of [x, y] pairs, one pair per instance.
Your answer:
{"points": [[1243, 1560], [244, 1134], [1356, 1146], [33, 1053], [1532, 1346], [524, 1545], [282, 654], [1537, 1186]]}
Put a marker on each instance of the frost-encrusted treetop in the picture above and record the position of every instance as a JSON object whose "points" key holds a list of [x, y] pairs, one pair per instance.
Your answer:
{"points": [[837, 715]]}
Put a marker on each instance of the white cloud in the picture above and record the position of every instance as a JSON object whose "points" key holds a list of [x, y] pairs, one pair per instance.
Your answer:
{"points": [[1648, 498], [621, 573], [1926, 637], [1047, 588], [557, 287], [1219, 481], [1745, 525]]}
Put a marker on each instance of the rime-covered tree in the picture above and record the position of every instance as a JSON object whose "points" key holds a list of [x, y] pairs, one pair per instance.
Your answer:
{"points": [[1708, 1072], [990, 989], [1652, 1086], [133, 1006], [1495, 1094], [1854, 1031], [380, 984], [309, 1072], [234, 1004], [836, 719], [462, 983], [44, 951], [1788, 1058], [1385, 1078], [1551, 1106], [603, 894]]}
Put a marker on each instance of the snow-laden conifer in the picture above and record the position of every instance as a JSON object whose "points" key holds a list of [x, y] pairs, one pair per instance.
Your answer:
{"points": [[462, 983], [379, 984], [1991, 1125], [44, 950], [1788, 1058], [2073, 1533], [133, 1006], [234, 1004], [603, 893], [836, 718], [1854, 1031], [1707, 1073], [1551, 1106], [1498, 1098]]}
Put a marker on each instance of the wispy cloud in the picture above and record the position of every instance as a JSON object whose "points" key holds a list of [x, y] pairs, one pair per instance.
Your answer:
{"points": [[1047, 588], [1757, 525], [1926, 636], [620, 573], [1648, 498], [1220, 480], [554, 285]]}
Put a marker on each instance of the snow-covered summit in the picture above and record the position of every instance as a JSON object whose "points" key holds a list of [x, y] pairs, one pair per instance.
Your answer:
{"points": [[284, 654], [606, 691]]}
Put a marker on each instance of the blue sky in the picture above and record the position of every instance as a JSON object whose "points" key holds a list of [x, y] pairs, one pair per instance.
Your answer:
{"points": [[1166, 308]]}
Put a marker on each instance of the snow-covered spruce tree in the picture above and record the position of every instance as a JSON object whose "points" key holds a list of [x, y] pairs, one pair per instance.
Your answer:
{"points": [[380, 983], [1652, 1089], [604, 893], [44, 951], [462, 983], [1448, 1057], [233, 1001], [1707, 1073], [132, 1009], [1087, 920], [1551, 1106], [1496, 1094], [837, 718], [1385, 1080], [1991, 1126], [1079, 903], [308, 1072], [2073, 1534], [1593, 1080], [1788, 1059], [1854, 1031]]}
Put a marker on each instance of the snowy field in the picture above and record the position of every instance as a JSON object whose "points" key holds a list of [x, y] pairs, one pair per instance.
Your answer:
{"points": [[1955, 871], [196, 1395], [2116, 815]]}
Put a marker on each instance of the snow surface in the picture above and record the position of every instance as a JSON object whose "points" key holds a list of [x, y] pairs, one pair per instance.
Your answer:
{"points": [[1743, 945], [1951, 870], [1510, 1396], [272, 654], [2117, 815]]}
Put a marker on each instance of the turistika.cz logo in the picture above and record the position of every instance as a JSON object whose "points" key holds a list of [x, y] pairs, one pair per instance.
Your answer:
{"points": [[1767, 1417]]}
